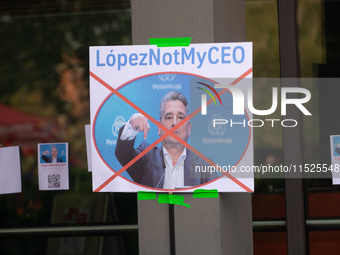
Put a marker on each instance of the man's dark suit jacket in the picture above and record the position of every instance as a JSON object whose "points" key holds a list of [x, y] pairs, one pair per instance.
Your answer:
{"points": [[337, 149], [48, 159], [149, 170]]}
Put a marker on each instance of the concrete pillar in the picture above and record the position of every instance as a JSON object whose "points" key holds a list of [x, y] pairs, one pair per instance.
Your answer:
{"points": [[212, 225]]}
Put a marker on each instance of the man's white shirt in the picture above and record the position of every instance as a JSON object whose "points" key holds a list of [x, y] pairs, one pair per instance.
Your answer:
{"points": [[174, 175]]}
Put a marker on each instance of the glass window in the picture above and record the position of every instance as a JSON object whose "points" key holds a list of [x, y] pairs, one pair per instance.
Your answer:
{"points": [[44, 98]]}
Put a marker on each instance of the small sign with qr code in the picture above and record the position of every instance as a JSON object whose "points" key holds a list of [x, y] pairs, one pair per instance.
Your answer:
{"points": [[53, 166]]}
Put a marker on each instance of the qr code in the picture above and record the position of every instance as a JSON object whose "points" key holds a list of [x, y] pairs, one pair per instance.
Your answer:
{"points": [[53, 181]]}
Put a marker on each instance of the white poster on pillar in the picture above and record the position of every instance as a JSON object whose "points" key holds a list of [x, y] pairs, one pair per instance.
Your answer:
{"points": [[159, 122]]}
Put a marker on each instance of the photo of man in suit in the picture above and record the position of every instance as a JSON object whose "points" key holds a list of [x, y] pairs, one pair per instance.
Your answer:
{"points": [[53, 158], [337, 148], [167, 167]]}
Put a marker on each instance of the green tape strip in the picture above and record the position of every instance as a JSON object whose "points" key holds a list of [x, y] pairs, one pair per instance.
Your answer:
{"points": [[146, 195], [179, 200], [205, 193], [171, 199], [171, 42], [165, 199]]}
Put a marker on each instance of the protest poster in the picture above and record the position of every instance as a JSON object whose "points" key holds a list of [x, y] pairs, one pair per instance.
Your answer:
{"points": [[53, 171], [335, 158], [127, 85]]}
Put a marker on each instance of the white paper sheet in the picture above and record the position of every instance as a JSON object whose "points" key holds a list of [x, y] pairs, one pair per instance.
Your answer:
{"points": [[88, 146], [10, 170]]}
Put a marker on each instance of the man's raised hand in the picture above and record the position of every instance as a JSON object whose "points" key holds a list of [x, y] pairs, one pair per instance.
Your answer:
{"points": [[140, 123]]}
